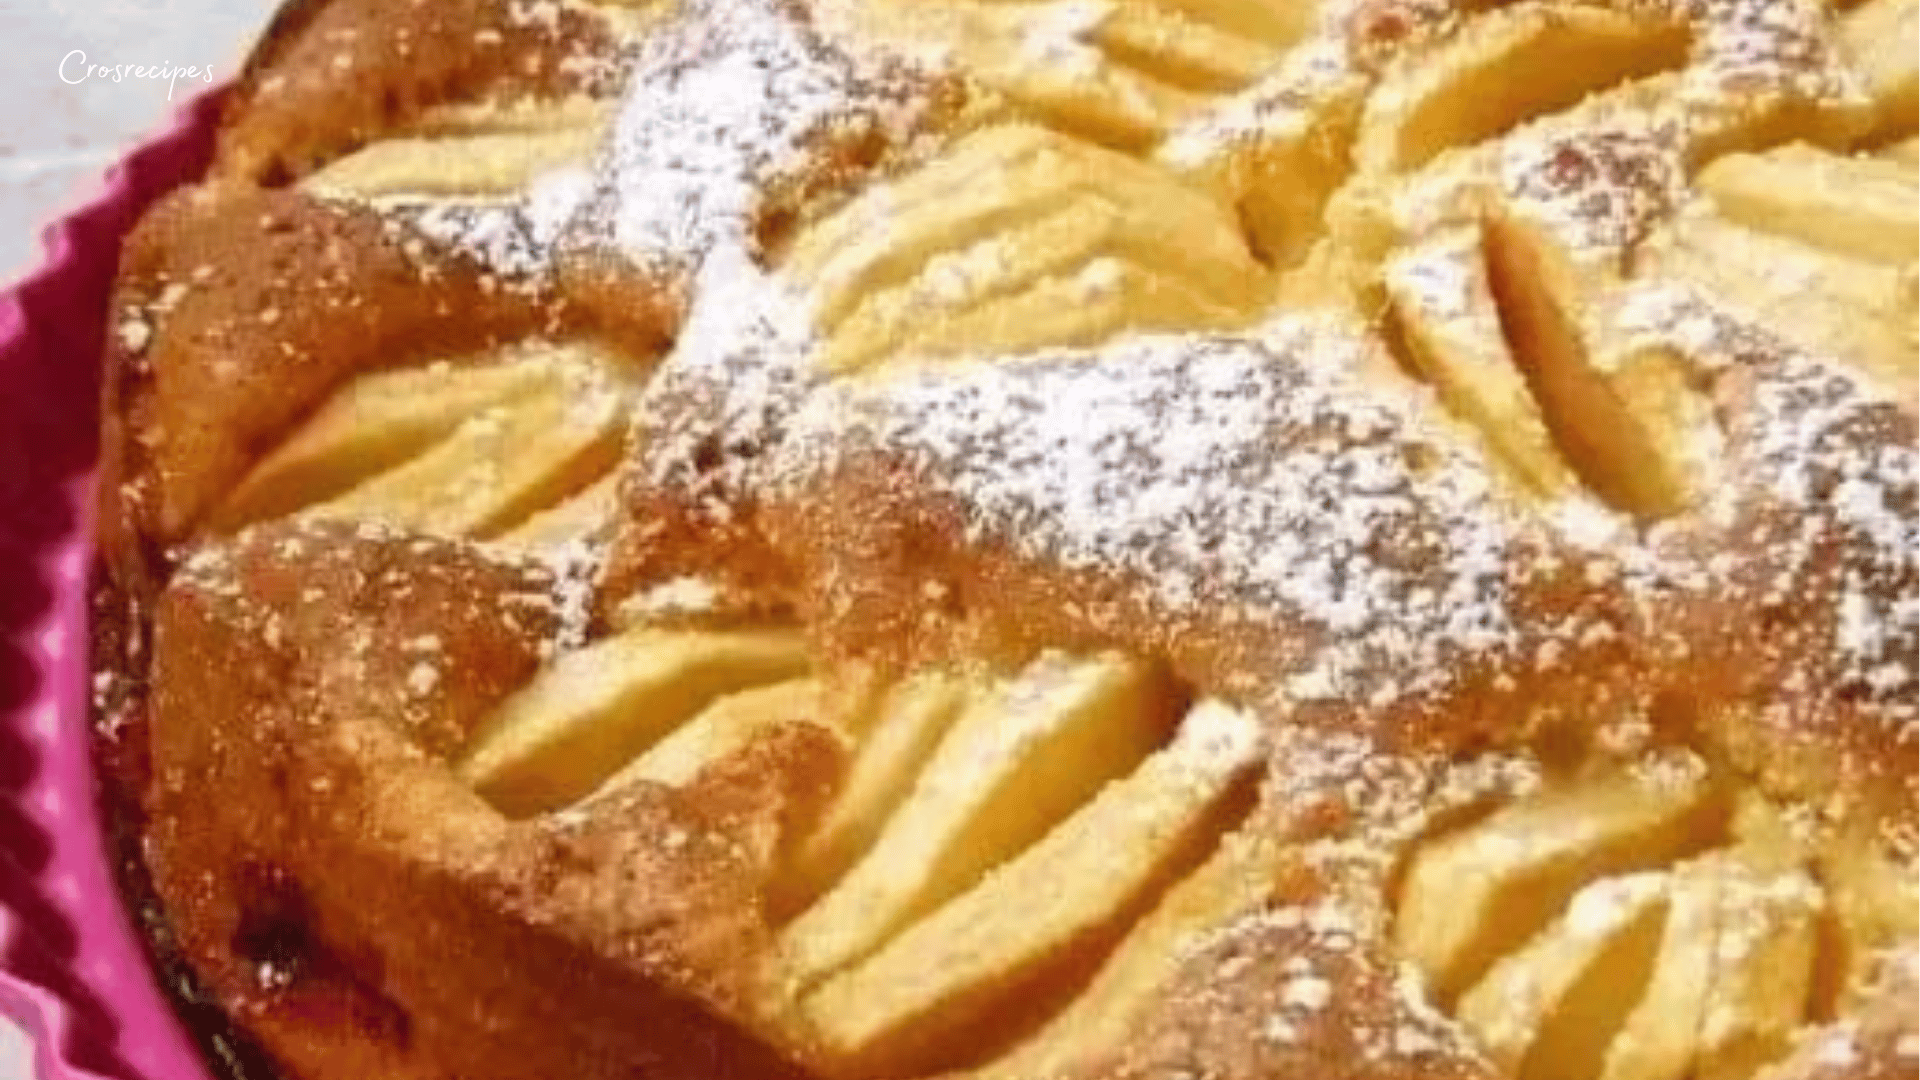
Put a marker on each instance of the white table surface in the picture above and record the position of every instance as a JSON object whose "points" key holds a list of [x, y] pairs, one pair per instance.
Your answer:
{"points": [[56, 137]]}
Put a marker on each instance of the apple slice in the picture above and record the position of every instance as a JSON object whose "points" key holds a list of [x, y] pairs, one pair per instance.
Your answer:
{"points": [[464, 118], [910, 719], [1044, 61], [1283, 168], [1853, 311], [1505, 68], [982, 251], [1446, 316], [579, 517], [1061, 897], [1883, 37], [1183, 46], [1473, 895], [1861, 207], [1764, 952], [719, 730], [1547, 1009], [1270, 23], [1875, 904], [588, 713], [884, 235], [504, 463], [373, 423], [1622, 427], [1236, 878], [484, 162], [1662, 1033], [1012, 765], [1094, 302]]}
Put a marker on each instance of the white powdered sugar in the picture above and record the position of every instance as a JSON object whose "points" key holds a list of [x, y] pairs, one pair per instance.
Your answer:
{"points": [[680, 596], [1848, 487], [721, 106], [727, 103], [516, 237], [1060, 37], [1753, 47], [1217, 739], [1286, 103], [1601, 188], [554, 198], [737, 371], [1226, 475], [575, 567], [1828, 489], [1604, 907]]}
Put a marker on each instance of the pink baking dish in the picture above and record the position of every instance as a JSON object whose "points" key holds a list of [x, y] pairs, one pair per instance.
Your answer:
{"points": [[73, 970]]}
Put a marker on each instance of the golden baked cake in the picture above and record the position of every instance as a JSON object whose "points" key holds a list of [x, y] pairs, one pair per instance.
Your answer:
{"points": [[1034, 540]]}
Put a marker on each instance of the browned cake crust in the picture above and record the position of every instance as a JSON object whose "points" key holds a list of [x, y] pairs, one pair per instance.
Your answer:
{"points": [[742, 539], [270, 301], [401, 945], [329, 75]]}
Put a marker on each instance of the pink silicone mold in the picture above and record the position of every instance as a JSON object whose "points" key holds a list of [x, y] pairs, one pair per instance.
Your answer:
{"points": [[73, 971]]}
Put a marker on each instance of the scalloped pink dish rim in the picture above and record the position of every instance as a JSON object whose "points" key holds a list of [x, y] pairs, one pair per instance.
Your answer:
{"points": [[73, 971]]}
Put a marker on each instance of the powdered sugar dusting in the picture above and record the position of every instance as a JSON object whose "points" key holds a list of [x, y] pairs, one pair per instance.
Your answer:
{"points": [[1829, 456], [1753, 49], [1829, 477], [575, 567], [1309, 985], [718, 401], [1217, 739], [497, 235], [721, 106], [1226, 475], [1601, 188], [1060, 37], [1288, 101], [727, 103]]}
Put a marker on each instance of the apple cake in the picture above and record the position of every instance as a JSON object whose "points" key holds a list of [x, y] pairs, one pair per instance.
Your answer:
{"points": [[1032, 540]]}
